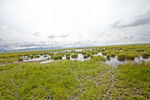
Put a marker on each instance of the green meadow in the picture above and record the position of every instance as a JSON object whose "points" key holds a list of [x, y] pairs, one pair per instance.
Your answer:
{"points": [[76, 80]]}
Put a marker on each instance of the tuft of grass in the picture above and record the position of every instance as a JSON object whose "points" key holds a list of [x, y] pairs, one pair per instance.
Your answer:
{"points": [[140, 50], [104, 53], [74, 55], [57, 57], [121, 56], [108, 56], [86, 55], [145, 54], [112, 54], [94, 52], [67, 56], [20, 59], [131, 56], [37, 56], [98, 58]]}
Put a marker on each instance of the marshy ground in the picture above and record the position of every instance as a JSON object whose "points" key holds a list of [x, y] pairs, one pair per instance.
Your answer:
{"points": [[67, 79]]}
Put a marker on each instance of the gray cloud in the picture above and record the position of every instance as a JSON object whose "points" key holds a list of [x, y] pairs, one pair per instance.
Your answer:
{"points": [[64, 36], [22, 45], [4, 27], [36, 34], [52, 36], [142, 37], [145, 37], [1, 39], [133, 22], [59, 36]]}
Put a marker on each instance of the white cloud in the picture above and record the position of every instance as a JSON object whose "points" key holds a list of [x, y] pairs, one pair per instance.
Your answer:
{"points": [[71, 22], [4, 27]]}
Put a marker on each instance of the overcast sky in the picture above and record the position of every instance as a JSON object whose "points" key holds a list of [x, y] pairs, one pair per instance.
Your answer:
{"points": [[72, 23]]}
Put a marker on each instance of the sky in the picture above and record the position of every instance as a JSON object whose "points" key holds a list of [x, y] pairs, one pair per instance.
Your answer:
{"points": [[73, 23]]}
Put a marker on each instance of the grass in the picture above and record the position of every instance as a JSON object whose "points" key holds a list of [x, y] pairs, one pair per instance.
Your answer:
{"points": [[97, 58], [112, 54], [131, 56], [57, 57], [66, 79], [20, 59], [87, 55], [67, 56], [121, 56], [57, 80], [104, 53], [94, 52], [133, 82], [108, 56], [145, 55], [74, 55]]}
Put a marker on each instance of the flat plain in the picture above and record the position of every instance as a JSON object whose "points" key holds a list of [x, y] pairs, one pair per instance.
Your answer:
{"points": [[66, 76]]}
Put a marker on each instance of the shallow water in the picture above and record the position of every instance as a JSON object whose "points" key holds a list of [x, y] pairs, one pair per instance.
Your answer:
{"points": [[47, 61], [42, 57], [64, 57], [80, 58], [113, 61]]}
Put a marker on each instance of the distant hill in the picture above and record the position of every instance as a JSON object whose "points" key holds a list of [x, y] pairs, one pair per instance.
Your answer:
{"points": [[2, 50], [30, 49], [50, 48]]}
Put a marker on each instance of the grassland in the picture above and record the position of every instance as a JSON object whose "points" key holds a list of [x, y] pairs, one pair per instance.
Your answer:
{"points": [[132, 82], [76, 80]]}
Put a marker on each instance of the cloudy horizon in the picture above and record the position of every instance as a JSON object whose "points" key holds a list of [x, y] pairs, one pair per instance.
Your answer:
{"points": [[73, 23]]}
